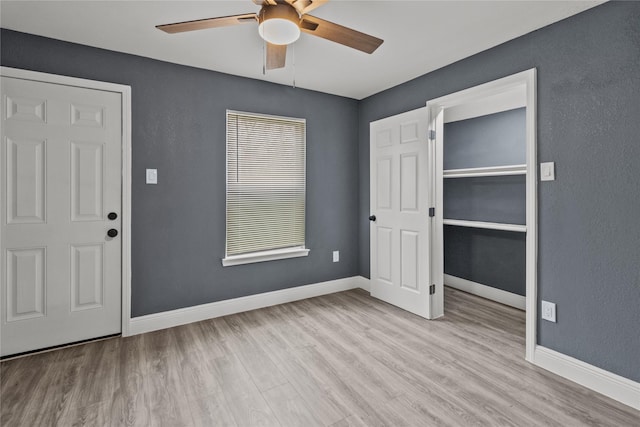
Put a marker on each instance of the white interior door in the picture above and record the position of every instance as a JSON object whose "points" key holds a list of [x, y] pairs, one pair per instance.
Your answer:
{"points": [[61, 184], [401, 180]]}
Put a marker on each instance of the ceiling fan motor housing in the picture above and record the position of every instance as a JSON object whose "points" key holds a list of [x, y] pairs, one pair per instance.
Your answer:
{"points": [[279, 24]]}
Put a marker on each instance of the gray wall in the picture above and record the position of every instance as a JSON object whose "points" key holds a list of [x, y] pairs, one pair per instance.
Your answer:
{"points": [[486, 198], [491, 257], [588, 109], [178, 225], [497, 139]]}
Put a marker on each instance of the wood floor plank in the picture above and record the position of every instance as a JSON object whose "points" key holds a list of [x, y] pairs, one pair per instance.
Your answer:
{"points": [[343, 359], [130, 405], [241, 394], [63, 389], [97, 414], [99, 368], [166, 397], [24, 383], [211, 410], [264, 373], [290, 409], [351, 421]]}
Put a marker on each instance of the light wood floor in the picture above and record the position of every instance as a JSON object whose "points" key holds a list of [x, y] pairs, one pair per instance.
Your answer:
{"points": [[339, 360]]}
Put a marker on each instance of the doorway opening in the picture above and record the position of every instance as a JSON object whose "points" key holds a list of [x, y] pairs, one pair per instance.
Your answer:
{"points": [[485, 227]]}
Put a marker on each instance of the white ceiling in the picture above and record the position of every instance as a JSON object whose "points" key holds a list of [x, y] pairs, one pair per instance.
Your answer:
{"points": [[419, 36]]}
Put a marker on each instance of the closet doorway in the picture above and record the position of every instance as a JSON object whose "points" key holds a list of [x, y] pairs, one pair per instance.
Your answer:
{"points": [[485, 178]]}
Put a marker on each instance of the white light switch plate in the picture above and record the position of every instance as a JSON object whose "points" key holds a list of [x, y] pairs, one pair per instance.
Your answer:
{"points": [[336, 256], [547, 171], [548, 311], [152, 176]]}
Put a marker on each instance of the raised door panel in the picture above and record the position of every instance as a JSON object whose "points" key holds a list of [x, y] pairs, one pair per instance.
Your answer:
{"points": [[409, 259], [25, 278], [384, 138], [25, 165], [384, 253], [383, 181], [409, 182], [87, 116], [87, 181], [87, 276], [409, 132], [26, 109]]}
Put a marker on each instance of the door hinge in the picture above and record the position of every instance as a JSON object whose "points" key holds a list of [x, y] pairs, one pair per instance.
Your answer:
{"points": [[432, 289], [432, 135], [432, 212]]}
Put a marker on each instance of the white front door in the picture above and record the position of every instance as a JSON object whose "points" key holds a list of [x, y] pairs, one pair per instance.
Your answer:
{"points": [[400, 192], [61, 186]]}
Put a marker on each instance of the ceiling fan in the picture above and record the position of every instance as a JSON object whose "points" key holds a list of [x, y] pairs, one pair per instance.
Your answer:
{"points": [[280, 23]]}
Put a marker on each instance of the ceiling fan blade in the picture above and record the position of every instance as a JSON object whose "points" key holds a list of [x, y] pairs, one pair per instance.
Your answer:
{"points": [[276, 56], [202, 24], [263, 2], [339, 34], [306, 6]]}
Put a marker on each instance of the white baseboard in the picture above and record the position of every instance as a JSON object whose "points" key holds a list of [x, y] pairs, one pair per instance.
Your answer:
{"points": [[182, 316], [611, 385], [364, 283], [484, 291]]}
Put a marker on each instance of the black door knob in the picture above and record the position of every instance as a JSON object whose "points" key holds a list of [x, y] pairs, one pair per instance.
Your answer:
{"points": [[372, 218], [112, 232], [112, 216]]}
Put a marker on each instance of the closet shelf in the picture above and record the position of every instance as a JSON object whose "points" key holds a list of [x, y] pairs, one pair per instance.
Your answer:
{"points": [[486, 225], [487, 171]]}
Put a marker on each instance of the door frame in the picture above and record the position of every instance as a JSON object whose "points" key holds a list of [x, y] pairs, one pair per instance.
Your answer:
{"points": [[466, 98], [125, 92]]}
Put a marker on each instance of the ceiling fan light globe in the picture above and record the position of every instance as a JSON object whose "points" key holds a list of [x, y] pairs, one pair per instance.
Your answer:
{"points": [[279, 31]]}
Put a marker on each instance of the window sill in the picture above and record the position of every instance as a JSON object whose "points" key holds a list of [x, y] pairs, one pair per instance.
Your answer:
{"points": [[264, 256]]}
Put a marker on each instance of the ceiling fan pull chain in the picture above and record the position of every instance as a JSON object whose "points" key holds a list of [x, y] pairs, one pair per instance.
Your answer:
{"points": [[293, 47]]}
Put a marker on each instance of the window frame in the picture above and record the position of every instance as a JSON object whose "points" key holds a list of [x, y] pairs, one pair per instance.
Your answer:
{"points": [[263, 255]]}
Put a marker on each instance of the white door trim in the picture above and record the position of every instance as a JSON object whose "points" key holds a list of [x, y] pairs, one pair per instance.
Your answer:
{"points": [[125, 91], [493, 89]]}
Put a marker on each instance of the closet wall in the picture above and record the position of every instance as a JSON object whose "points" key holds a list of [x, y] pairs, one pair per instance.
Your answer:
{"points": [[485, 200]]}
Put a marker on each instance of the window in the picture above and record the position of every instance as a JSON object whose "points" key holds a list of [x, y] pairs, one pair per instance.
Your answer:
{"points": [[266, 158]]}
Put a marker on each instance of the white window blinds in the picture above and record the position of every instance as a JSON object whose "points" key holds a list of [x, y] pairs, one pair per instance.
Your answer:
{"points": [[266, 158]]}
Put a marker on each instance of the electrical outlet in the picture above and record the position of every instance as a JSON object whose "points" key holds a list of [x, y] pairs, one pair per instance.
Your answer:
{"points": [[336, 256], [549, 311]]}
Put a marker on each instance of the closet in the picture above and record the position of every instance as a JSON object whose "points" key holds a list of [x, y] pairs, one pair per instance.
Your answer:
{"points": [[453, 200], [484, 205]]}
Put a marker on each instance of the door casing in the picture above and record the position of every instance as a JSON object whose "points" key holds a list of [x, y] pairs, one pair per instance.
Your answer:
{"points": [[125, 92]]}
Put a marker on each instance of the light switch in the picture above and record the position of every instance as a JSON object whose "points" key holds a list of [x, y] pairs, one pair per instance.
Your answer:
{"points": [[549, 311], [152, 176], [547, 171], [336, 256]]}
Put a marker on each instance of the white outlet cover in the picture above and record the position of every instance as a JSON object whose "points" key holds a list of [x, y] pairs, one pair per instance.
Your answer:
{"points": [[152, 176], [547, 171], [336, 256], [548, 311]]}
